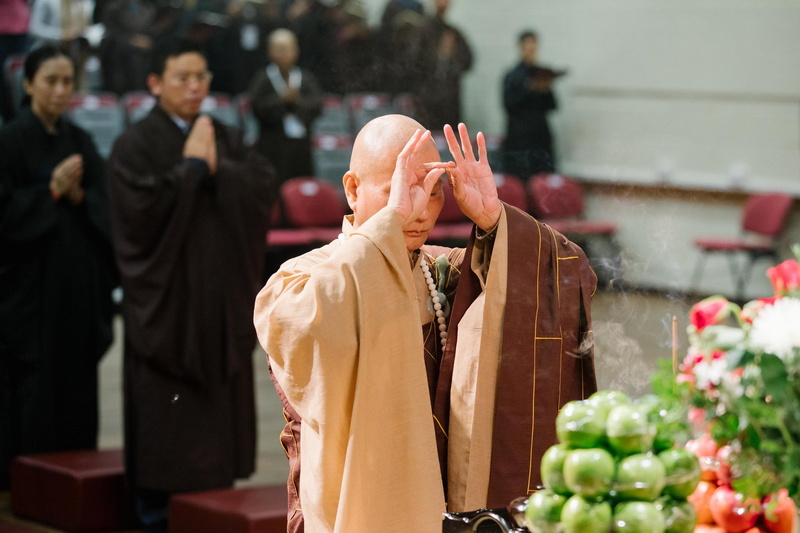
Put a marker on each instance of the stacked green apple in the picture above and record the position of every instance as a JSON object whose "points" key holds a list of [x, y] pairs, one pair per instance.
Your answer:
{"points": [[613, 470]]}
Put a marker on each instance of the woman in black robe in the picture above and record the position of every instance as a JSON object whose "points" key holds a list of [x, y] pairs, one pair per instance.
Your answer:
{"points": [[56, 270]]}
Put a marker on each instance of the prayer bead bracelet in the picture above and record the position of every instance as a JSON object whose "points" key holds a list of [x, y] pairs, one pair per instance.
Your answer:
{"points": [[437, 304]]}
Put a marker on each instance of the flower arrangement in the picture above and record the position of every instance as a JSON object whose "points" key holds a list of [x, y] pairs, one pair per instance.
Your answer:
{"points": [[741, 382]]}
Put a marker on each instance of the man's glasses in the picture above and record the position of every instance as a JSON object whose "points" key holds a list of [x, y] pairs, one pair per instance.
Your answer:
{"points": [[183, 78]]}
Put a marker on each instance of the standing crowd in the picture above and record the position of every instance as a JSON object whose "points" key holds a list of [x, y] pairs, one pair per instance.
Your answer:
{"points": [[178, 214]]}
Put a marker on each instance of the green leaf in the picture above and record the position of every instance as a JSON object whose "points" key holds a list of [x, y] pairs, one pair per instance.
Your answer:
{"points": [[775, 376], [738, 357]]}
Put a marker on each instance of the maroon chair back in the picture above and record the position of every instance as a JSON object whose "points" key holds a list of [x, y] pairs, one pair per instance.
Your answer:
{"points": [[511, 190], [766, 213], [555, 196], [311, 202], [450, 212]]}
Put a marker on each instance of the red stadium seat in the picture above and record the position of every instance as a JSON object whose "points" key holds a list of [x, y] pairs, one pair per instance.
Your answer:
{"points": [[511, 190], [763, 220], [557, 201], [313, 210], [452, 224]]}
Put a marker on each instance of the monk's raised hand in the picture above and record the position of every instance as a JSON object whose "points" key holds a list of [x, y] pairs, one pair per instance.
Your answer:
{"points": [[472, 179], [413, 182]]}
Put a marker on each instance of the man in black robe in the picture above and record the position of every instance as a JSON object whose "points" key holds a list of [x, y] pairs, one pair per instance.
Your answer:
{"points": [[444, 59], [285, 100], [190, 208], [528, 98]]}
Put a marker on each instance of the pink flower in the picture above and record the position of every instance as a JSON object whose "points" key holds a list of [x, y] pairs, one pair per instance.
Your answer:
{"points": [[712, 311], [751, 309], [785, 277]]}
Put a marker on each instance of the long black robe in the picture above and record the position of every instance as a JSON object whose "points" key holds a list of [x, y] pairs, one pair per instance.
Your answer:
{"points": [[190, 247], [56, 276], [291, 157], [438, 101], [528, 146]]}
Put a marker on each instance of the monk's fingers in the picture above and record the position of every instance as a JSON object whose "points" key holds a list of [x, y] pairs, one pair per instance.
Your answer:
{"points": [[438, 164], [452, 144], [482, 154], [404, 157], [466, 145], [431, 178], [423, 140]]}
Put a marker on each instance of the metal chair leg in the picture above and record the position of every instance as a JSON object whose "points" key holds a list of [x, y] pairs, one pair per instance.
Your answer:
{"points": [[697, 272]]}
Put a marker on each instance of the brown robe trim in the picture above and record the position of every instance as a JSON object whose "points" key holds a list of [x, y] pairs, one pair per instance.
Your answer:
{"points": [[541, 368]]}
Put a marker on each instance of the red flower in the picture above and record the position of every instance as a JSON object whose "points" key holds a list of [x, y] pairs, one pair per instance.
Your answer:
{"points": [[751, 309], [785, 277], [709, 312]]}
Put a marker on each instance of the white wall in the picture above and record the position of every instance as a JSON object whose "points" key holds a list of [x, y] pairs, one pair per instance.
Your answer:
{"points": [[691, 93]]}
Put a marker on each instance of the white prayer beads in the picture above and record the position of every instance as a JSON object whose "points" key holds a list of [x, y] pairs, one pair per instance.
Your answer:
{"points": [[437, 304]]}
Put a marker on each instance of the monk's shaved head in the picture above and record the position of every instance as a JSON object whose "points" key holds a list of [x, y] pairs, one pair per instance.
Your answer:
{"points": [[368, 182], [379, 142]]}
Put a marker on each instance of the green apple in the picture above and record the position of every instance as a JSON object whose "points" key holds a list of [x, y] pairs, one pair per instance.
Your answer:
{"points": [[629, 430], [669, 418], [604, 400], [680, 516], [543, 511], [579, 425], [683, 472], [582, 516], [589, 472], [639, 477], [552, 469], [638, 517]]}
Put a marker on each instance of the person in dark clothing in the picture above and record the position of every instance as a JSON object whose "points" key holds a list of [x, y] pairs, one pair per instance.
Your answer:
{"points": [[56, 270], [528, 98], [239, 47], [354, 64], [190, 209], [309, 20], [398, 45], [444, 58], [285, 100]]}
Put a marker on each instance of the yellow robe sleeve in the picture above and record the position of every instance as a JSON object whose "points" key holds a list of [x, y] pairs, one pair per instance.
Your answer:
{"points": [[340, 326]]}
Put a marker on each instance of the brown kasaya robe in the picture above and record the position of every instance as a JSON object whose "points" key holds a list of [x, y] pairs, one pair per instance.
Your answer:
{"points": [[341, 327], [190, 247]]}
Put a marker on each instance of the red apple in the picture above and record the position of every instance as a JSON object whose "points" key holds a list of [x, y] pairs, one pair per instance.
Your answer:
{"points": [[732, 511], [705, 448], [781, 518], [723, 469], [708, 528], [700, 498]]}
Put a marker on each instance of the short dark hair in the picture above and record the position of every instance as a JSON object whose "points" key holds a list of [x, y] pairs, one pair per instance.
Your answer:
{"points": [[528, 34], [171, 48], [37, 56]]}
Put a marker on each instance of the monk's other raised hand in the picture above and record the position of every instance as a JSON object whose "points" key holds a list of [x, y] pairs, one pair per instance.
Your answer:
{"points": [[413, 180], [472, 179]]}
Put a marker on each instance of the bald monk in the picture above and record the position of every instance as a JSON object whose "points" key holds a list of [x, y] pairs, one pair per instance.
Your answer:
{"points": [[421, 378]]}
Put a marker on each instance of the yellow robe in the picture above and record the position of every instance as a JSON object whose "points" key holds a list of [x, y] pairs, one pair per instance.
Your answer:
{"points": [[341, 327]]}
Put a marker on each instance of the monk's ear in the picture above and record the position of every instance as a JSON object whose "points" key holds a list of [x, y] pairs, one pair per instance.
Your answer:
{"points": [[154, 84], [350, 189]]}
